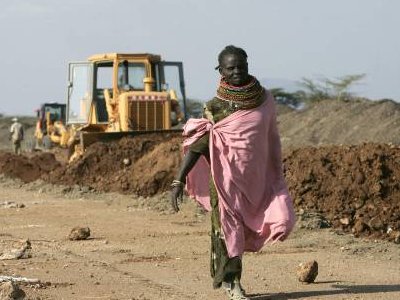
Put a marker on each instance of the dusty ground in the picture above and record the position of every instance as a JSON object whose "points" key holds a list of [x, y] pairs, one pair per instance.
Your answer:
{"points": [[139, 250]]}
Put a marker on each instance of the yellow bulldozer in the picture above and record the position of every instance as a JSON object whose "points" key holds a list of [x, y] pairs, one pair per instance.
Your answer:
{"points": [[113, 95], [50, 126]]}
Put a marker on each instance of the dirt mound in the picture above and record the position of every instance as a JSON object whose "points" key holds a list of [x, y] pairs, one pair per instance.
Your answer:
{"points": [[27, 168], [143, 165], [357, 188], [340, 122], [155, 171]]}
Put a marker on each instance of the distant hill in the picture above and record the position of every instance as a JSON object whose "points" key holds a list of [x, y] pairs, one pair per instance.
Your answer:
{"points": [[340, 122], [322, 123]]}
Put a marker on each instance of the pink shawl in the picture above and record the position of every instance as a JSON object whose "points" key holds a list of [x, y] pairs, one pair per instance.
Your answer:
{"points": [[245, 163]]}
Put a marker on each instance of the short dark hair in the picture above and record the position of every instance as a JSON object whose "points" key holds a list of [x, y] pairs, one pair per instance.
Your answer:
{"points": [[230, 49]]}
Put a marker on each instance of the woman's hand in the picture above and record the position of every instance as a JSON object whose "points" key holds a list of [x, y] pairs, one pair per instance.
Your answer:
{"points": [[178, 184]]}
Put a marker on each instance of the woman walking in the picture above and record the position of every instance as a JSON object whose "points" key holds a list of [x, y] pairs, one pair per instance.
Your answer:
{"points": [[233, 167]]}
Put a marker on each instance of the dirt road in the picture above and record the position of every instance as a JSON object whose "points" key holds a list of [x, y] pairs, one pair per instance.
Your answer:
{"points": [[139, 250]]}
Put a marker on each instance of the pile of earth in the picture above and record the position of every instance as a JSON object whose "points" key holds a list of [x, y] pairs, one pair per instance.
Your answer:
{"points": [[27, 168], [356, 188], [143, 165]]}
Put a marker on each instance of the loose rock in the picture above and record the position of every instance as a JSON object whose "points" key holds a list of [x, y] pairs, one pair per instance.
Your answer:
{"points": [[395, 236], [11, 204], [310, 220], [11, 291], [79, 233], [308, 271], [22, 252], [358, 227]]}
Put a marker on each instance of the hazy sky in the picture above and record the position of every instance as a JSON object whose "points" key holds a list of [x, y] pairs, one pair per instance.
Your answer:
{"points": [[285, 39]]}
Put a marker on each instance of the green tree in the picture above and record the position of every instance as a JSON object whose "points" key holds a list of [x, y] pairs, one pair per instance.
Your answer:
{"points": [[326, 88], [341, 85], [314, 91]]}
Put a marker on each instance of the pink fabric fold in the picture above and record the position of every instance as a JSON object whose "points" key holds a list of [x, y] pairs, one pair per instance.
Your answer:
{"points": [[198, 179], [246, 166]]}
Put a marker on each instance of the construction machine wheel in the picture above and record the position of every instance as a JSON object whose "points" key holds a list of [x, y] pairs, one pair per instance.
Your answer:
{"points": [[30, 144], [46, 142]]}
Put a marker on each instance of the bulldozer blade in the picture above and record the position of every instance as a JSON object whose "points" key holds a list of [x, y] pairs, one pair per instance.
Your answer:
{"points": [[88, 138]]}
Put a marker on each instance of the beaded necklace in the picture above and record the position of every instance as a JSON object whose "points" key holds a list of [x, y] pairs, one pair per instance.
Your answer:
{"points": [[241, 97]]}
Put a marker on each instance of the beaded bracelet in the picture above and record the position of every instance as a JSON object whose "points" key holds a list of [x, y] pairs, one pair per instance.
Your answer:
{"points": [[176, 183]]}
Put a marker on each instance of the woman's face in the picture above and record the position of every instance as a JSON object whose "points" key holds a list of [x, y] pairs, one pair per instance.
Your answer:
{"points": [[234, 69]]}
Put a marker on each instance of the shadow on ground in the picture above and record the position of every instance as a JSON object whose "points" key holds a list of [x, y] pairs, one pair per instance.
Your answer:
{"points": [[340, 289]]}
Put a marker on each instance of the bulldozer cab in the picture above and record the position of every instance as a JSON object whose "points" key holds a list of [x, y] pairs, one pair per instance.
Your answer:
{"points": [[50, 113], [125, 92], [50, 126]]}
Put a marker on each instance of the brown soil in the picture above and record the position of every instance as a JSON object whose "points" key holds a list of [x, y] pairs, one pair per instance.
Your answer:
{"points": [[138, 250], [356, 188], [135, 252], [144, 165], [27, 168]]}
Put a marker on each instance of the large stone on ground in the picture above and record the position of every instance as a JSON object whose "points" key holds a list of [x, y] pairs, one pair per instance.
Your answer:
{"points": [[308, 271], [22, 252], [79, 233], [11, 291]]}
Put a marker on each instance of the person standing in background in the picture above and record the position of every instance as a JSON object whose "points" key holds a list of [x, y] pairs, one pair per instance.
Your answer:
{"points": [[16, 135]]}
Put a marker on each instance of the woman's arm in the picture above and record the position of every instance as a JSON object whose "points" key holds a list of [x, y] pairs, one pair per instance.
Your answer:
{"points": [[178, 184]]}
